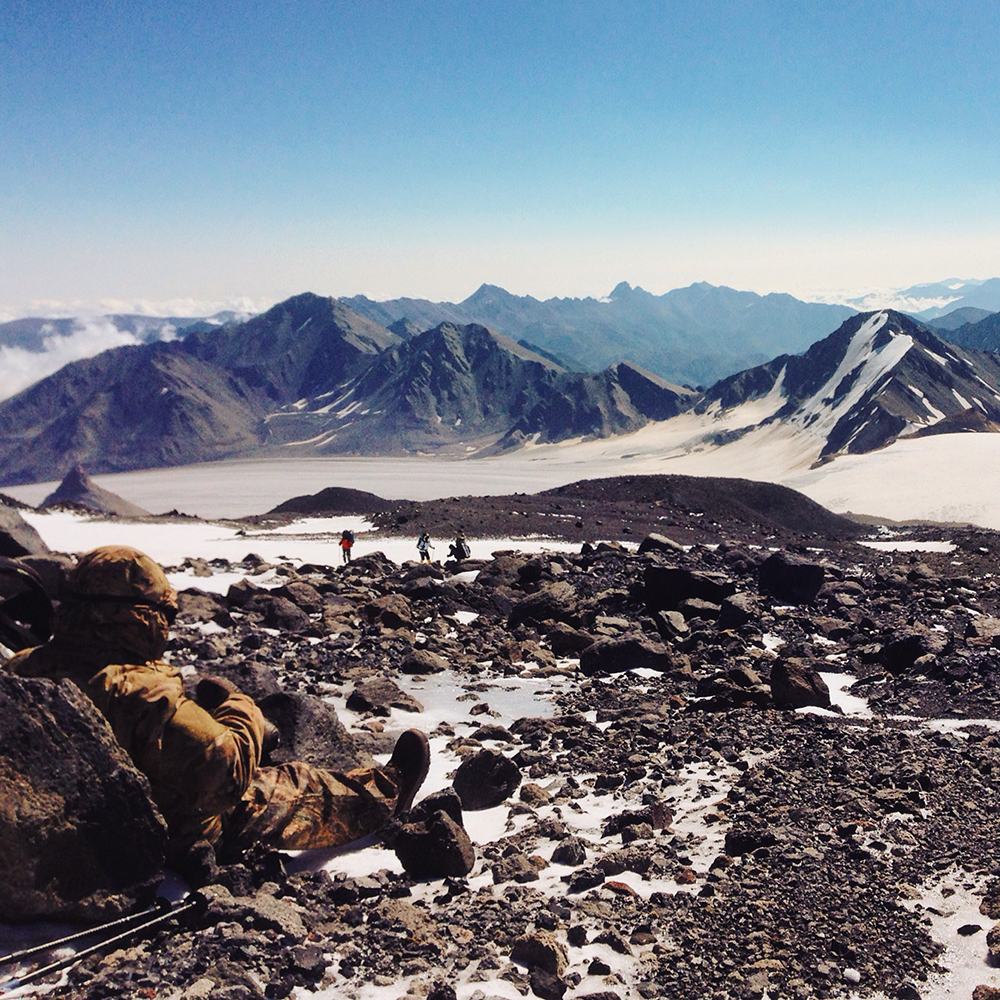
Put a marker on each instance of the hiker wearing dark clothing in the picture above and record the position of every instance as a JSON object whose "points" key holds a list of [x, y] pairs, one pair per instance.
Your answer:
{"points": [[346, 544], [424, 547], [459, 549]]}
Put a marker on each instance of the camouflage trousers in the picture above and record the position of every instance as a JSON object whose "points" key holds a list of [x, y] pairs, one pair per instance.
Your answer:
{"points": [[297, 806]]}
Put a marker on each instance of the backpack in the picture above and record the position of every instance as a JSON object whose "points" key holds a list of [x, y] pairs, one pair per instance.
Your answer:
{"points": [[348, 536]]}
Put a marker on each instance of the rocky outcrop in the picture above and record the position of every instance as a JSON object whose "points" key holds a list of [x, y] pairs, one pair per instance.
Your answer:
{"points": [[17, 537], [79, 836], [78, 488]]}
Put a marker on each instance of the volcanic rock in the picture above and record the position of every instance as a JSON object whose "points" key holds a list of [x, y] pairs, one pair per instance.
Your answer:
{"points": [[654, 542], [310, 730], [613, 655], [794, 684], [380, 696], [790, 579], [540, 950], [666, 587], [79, 836], [486, 780], [431, 844], [422, 661], [911, 643], [278, 612], [555, 602]]}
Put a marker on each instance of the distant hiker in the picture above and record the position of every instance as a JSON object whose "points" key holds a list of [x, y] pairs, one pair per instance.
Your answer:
{"points": [[459, 549], [424, 547], [346, 544], [202, 755]]}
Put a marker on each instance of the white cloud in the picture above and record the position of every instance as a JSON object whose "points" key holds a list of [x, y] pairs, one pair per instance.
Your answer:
{"points": [[182, 307], [20, 368]]}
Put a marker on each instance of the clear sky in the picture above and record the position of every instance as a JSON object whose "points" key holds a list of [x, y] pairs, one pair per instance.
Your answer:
{"points": [[168, 151]]}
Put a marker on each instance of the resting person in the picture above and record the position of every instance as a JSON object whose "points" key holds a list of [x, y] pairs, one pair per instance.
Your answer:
{"points": [[202, 755]]}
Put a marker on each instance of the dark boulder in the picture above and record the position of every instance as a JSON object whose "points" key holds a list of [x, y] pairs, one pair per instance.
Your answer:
{"points": [[790, 579], [242, 592], [79, 836], [311, 731], [615, 655], [566, 641], [430, 840], [422, 661], [279, 613], [697, 607], [198, 606], [540, 950], [666, 588], [392, 611], [555, 602], [380, 696], [303, 595], [659, 543], [795, 684], [17, 537], [486, 780], [739, 610], [908, 646]]}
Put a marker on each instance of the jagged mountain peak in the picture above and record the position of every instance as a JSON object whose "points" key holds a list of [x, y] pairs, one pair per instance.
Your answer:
{"points": [[879, 376]]}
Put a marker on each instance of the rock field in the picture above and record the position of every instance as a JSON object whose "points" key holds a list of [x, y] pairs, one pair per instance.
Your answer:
{"points": [[743, 846]]}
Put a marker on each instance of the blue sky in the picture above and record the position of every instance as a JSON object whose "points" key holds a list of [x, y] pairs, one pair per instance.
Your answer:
{"points": [[205, 151]]}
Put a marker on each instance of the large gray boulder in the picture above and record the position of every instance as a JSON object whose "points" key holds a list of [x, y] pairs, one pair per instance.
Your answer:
{"points": [[17, 537], [79, 836]]}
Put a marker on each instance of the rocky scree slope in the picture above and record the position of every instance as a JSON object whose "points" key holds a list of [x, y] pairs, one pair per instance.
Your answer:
{"points": [[817, 834]]}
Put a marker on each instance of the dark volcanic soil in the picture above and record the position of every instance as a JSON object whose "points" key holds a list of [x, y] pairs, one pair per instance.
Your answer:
{"points": [[688, 508]]}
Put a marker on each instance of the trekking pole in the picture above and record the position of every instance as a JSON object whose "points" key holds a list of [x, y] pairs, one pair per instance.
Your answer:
{"points": [[16, 956], [191, 901]]}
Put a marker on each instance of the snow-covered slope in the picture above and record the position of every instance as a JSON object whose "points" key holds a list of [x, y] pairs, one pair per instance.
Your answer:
{"points": [[879, 377]]}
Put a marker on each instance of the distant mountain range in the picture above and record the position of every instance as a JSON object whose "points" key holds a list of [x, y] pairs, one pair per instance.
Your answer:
{"points": [[691, 336], [312, 376]]}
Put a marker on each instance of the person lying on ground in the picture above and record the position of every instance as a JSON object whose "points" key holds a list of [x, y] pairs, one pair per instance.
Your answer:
{"points": [[202, 756]]}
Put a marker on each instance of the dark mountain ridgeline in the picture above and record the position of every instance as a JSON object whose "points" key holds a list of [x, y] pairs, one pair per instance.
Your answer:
{"points": [[981, 335], [463, 388]]}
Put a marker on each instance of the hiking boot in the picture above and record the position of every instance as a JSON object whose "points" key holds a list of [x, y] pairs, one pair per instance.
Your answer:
{"points": [[410, 760]]}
